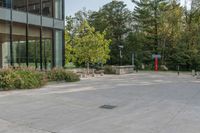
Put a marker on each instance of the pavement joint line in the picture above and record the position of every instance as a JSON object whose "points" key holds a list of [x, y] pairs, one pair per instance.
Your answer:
{"points": [[173, 117], [181, 110], [24, 125], [74, 90]]}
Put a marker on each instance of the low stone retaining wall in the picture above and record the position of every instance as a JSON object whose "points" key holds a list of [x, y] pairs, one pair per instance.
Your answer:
{"points": [[78, 70], [117, 69], [123, 69], [82, 72]]}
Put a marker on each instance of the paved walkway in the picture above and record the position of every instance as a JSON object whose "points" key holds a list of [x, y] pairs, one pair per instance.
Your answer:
{"points": [[146, 103]]}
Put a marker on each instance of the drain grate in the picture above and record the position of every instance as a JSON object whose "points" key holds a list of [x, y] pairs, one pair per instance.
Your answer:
{"points": [[108, 107]]}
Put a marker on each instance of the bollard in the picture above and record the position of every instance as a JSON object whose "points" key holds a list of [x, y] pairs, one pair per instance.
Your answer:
{"points": [[198, 75], [193, 73], [178, 70]]}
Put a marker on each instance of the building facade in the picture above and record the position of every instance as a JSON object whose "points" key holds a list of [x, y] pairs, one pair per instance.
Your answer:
{"points": [[32, 33]]}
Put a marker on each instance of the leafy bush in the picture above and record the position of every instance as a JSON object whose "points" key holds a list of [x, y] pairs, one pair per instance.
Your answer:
{"points": [[109, 70], [62, 75], [56, 75], [71, 77], [21, 78], [26, 78]]}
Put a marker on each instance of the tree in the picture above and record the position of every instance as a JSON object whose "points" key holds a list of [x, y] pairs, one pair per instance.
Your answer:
{"points": [[134, 45], [114, 18], [70, 30], [89, 46], [147, 17], [154, 27], [171, 29], [191, 37], [195, 5]]}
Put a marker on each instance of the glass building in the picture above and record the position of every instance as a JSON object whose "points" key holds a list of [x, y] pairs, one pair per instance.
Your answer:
{"points": [[32, 33]]}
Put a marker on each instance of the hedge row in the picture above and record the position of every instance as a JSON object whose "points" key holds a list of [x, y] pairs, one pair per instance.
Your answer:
{"points": [[26, 78]]}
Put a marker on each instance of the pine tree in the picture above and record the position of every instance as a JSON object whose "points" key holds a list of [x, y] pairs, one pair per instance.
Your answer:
{"points": [[195, 5], [147, 15], [114, 18]]}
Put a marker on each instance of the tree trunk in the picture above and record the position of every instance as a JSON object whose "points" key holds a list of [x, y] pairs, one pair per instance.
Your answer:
{"points": [[163, 51]]}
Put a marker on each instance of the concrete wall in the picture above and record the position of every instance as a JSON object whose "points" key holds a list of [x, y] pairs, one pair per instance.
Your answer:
{"points": [[123, 69]]}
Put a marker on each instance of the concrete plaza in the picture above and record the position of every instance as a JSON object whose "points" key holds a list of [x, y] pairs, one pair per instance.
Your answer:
{"points": [[146, 102]]}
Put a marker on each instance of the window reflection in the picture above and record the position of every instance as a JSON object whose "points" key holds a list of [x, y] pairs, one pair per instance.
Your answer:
{"points": [[19, 5], [34, 47], [4, 44], [58, 48], [34, 6], [47, 8], [5, 3], [47, 48], [19, 44], [58, 9]]}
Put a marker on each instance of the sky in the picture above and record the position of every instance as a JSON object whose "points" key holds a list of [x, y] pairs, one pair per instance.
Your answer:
{"points": [[72, 6]]}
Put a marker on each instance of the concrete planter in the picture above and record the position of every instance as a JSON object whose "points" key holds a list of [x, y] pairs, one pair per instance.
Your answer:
{"points": [[82, 72], [123, 69]]}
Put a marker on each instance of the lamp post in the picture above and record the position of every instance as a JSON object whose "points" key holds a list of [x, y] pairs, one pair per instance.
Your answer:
{"points": [[133, 59], [120, 53], [178, 69]]}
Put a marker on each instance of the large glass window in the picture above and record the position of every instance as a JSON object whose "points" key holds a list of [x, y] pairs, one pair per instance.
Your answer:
{"points": [[19, 44], [59, 9], [34, 47], [47, 8], [58, 48], [5, 3], [47, 48], [34, 6], [4, 44], [19, 5]]}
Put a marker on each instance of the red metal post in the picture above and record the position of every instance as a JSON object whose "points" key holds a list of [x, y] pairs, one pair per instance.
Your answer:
{"points": [[156, 63]]}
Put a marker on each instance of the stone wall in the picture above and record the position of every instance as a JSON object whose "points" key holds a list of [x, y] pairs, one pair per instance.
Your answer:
{"points": [[124, 69]]}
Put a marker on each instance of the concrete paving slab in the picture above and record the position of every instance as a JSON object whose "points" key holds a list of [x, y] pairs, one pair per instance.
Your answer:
{"points": [[147, 102]]}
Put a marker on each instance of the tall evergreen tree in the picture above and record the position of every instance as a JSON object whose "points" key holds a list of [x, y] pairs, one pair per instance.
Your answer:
{"points": [[195, 5], [114, 18], [147, 15]]}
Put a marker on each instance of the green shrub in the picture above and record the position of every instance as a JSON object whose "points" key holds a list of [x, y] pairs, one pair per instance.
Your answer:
{"points": [[109, 70], [26, 78], [29, 79], [62, 75], [71, 77], [21, 78], [56, 75]]}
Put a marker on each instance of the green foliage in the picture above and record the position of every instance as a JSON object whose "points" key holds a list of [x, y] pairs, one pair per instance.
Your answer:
{"points": [[56, 75], [162, 27], [26, 78], [115, 19], [147, 16], [21, 79], [62, 75], [88, 46], [169, 30], [71, 77]]}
